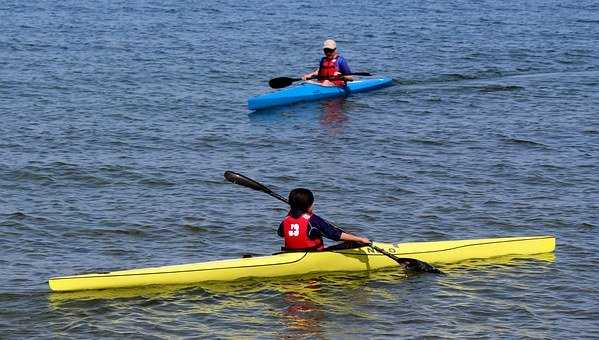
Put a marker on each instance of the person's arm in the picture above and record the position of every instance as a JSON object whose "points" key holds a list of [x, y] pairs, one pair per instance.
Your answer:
{"points": [[310, 75], [353, 238], [280, 230], [345, 70], [329, 231]]}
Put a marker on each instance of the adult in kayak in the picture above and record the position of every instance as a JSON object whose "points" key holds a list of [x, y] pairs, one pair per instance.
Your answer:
{"points": [[301, 229], [333, 69]]}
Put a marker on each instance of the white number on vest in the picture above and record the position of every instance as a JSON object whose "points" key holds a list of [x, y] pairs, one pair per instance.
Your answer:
{"points": [[294, 229]]}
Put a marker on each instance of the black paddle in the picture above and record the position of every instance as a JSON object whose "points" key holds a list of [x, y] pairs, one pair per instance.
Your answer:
{"points": [[409, 263], [280, 82]]}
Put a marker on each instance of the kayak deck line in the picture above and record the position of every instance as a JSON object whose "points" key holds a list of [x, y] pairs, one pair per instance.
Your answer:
{"points": [[392, 250], [362, 258], [111, 274]]}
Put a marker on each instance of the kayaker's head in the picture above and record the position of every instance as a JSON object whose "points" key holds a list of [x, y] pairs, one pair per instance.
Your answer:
{"points": [[301, 201], [329, 48]]}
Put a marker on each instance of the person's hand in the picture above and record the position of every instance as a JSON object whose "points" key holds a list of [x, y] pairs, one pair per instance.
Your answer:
{"points": [[305, 77], [364, 240]]}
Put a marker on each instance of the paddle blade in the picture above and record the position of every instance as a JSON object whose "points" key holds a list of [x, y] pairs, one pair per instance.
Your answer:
{"points": [[277, 83], [247, 182], [419, 266], [409, 263]]}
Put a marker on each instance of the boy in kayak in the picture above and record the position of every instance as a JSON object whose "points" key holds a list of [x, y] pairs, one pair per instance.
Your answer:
{"points": [[303, 230], [333, 67]]}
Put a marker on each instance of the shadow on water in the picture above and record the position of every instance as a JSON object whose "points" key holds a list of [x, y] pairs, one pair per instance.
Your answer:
{"points": [[331, 114]]}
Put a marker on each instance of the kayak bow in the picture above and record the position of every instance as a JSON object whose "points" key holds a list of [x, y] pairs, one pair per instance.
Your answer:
{"points": [[300, 263]]}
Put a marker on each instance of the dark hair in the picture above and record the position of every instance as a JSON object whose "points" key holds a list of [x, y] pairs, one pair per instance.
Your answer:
{"points": [[300, 199]]}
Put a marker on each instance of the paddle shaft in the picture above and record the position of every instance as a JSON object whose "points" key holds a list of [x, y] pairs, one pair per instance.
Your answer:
{"points": [[334, 77], [384, 252], [281, 82], [340, 76], [277, 196]]}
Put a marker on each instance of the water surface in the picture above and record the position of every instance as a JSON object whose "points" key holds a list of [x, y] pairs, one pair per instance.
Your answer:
{"points": [[119, 119]]}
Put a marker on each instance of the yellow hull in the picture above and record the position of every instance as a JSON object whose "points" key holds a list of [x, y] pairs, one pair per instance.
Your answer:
{"points": [[285, 264]]}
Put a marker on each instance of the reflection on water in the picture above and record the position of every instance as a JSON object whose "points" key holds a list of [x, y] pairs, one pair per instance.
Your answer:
{"points": [[334, 117], [307, 286], [330, 113], [302, 316], [295, 307]]}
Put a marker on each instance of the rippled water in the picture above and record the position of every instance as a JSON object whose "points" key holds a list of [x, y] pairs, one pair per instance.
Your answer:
{"points": [[119, 118]]}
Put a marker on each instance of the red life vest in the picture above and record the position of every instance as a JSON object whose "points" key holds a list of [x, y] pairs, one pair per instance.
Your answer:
{"points": [[328, 68], [295, 232]]}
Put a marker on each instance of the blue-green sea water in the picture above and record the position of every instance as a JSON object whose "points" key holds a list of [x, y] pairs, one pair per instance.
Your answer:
{"points": [[118, 119]]}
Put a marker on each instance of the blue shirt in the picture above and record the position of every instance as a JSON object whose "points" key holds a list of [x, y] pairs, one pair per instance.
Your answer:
{"points": [[318, 228]]}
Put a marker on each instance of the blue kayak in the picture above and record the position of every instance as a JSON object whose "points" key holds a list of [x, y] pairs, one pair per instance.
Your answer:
{"points": [[312, 91]]}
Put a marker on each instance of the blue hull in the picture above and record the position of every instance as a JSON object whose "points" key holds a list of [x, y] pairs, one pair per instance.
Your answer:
{"points": [[311, 92]]}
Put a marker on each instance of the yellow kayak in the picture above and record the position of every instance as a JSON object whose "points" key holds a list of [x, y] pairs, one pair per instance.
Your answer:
{"points": [[299, 263]]}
